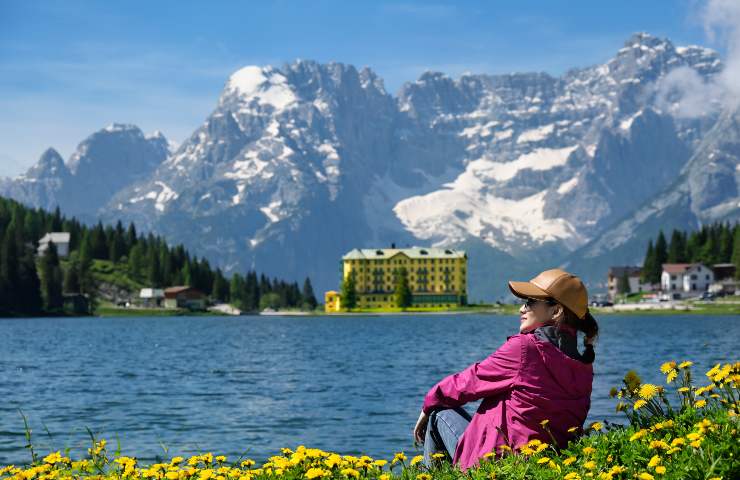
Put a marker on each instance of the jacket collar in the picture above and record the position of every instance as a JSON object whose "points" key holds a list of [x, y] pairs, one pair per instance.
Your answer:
{"points": [[565, 340]]}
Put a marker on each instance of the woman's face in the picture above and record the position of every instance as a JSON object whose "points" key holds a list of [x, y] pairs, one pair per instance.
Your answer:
{"points": [[537, 314]]}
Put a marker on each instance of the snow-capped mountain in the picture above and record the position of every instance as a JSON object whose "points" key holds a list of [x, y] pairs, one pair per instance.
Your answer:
{"points": [[297, 165], [103, 163]]}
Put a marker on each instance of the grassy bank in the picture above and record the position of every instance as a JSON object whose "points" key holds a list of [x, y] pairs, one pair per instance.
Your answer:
{"points": [[695, 439]]}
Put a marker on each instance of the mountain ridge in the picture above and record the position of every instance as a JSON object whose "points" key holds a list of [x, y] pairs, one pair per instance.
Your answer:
{"points": [[300, 163]]}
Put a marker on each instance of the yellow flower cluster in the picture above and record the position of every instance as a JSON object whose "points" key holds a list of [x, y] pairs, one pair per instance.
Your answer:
{"points": [[663, 443]]}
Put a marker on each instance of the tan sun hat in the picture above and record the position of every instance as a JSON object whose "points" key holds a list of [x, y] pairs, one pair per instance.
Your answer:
{"points": [[563, 287]]}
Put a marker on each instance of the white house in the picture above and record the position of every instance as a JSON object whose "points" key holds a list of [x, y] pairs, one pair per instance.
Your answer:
{"points": [[633, 276], [151, 297], [697, 278], [688, 279], [59, 239]]}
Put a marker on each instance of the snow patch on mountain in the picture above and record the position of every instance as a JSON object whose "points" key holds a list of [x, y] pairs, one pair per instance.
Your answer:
{"points": [[567, 186], [536, 134], [266, 85]]}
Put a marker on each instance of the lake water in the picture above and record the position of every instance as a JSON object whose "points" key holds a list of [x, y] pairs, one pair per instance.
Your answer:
{"points": [[232, 385]]}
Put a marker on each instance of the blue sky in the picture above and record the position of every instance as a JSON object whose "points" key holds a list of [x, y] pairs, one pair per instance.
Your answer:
{"points": [[70, 68]]}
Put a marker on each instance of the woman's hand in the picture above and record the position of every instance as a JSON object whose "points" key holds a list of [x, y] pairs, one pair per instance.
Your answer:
{"points": [[420, 429]]}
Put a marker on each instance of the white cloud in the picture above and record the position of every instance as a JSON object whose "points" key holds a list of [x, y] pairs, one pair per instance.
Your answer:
{"points": [[684, 92]]}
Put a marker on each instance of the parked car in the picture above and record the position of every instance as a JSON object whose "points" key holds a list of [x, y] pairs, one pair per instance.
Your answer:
{"points": [[709, 296], [601, 303]]}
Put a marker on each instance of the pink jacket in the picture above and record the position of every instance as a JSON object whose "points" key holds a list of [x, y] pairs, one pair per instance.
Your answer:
{"points": [[524, 382]]}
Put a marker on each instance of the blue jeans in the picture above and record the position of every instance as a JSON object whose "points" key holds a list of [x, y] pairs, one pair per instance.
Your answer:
{"points": [[444, 429]]}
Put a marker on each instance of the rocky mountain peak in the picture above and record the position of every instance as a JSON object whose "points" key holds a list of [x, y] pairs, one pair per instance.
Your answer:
{"points": [[50, 165]]}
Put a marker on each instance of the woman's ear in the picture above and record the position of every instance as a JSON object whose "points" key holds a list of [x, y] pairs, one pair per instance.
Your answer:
{"points": [[558, 312]]}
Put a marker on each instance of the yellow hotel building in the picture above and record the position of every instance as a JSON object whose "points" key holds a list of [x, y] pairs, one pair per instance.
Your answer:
{"points": [[436, 276]]}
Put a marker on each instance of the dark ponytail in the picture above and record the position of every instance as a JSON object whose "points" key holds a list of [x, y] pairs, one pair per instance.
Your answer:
{"points": [[587, 325]]}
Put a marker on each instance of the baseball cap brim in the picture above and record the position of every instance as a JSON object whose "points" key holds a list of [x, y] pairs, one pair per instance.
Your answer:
{"points": [[527, 290]]}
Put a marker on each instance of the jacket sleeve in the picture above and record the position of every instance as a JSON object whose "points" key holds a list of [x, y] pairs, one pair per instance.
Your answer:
{"points": [[491, 376]]}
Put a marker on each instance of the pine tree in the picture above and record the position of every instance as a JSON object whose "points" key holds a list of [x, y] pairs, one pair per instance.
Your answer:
{"points": [[154, 275], [725, 244], [117, 243], [236, 291], [131, 238], [402, 292], [72, 275], [51, 280], [29, 286], [251, 291], [661, 257], [9, 279], [309, 299], [136, 261], [348, 292], [623, 283], [220, 289], [736, 253], [676, 248], [98, 242], [648, 265]]}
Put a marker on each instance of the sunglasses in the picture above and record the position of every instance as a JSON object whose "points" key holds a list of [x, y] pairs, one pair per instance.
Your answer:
{"points": [[531, 302]]}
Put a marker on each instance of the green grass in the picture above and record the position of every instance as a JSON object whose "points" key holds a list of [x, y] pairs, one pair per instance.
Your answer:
{"points": [[115, 274]]}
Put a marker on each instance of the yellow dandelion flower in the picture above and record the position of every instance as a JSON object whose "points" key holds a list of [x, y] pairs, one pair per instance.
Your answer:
{"points": [[590, 465], [381, 463], [572, 476], [660, 469], [416, 460], [423, 476], [315, 472], [639, 404], [504, 447], [543, 460], [645, 476], [685, 364], [597, 426], [671, 376], [654, 461], [660, 444], [385, 476], [544, 422], [700, 403], [648, 391], [398, 457], [350, 472], [569, 460], [667, 367], [526, 450], [588, 450]]}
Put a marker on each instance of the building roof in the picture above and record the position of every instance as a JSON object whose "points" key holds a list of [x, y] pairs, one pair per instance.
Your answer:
{"points": [[630, 270], [177, 289], [678, 267], [173, 292], [56, 237], [413, 252]]}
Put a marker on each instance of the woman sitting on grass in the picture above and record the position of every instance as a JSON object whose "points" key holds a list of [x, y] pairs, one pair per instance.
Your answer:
{"points": [[537, 385]]}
